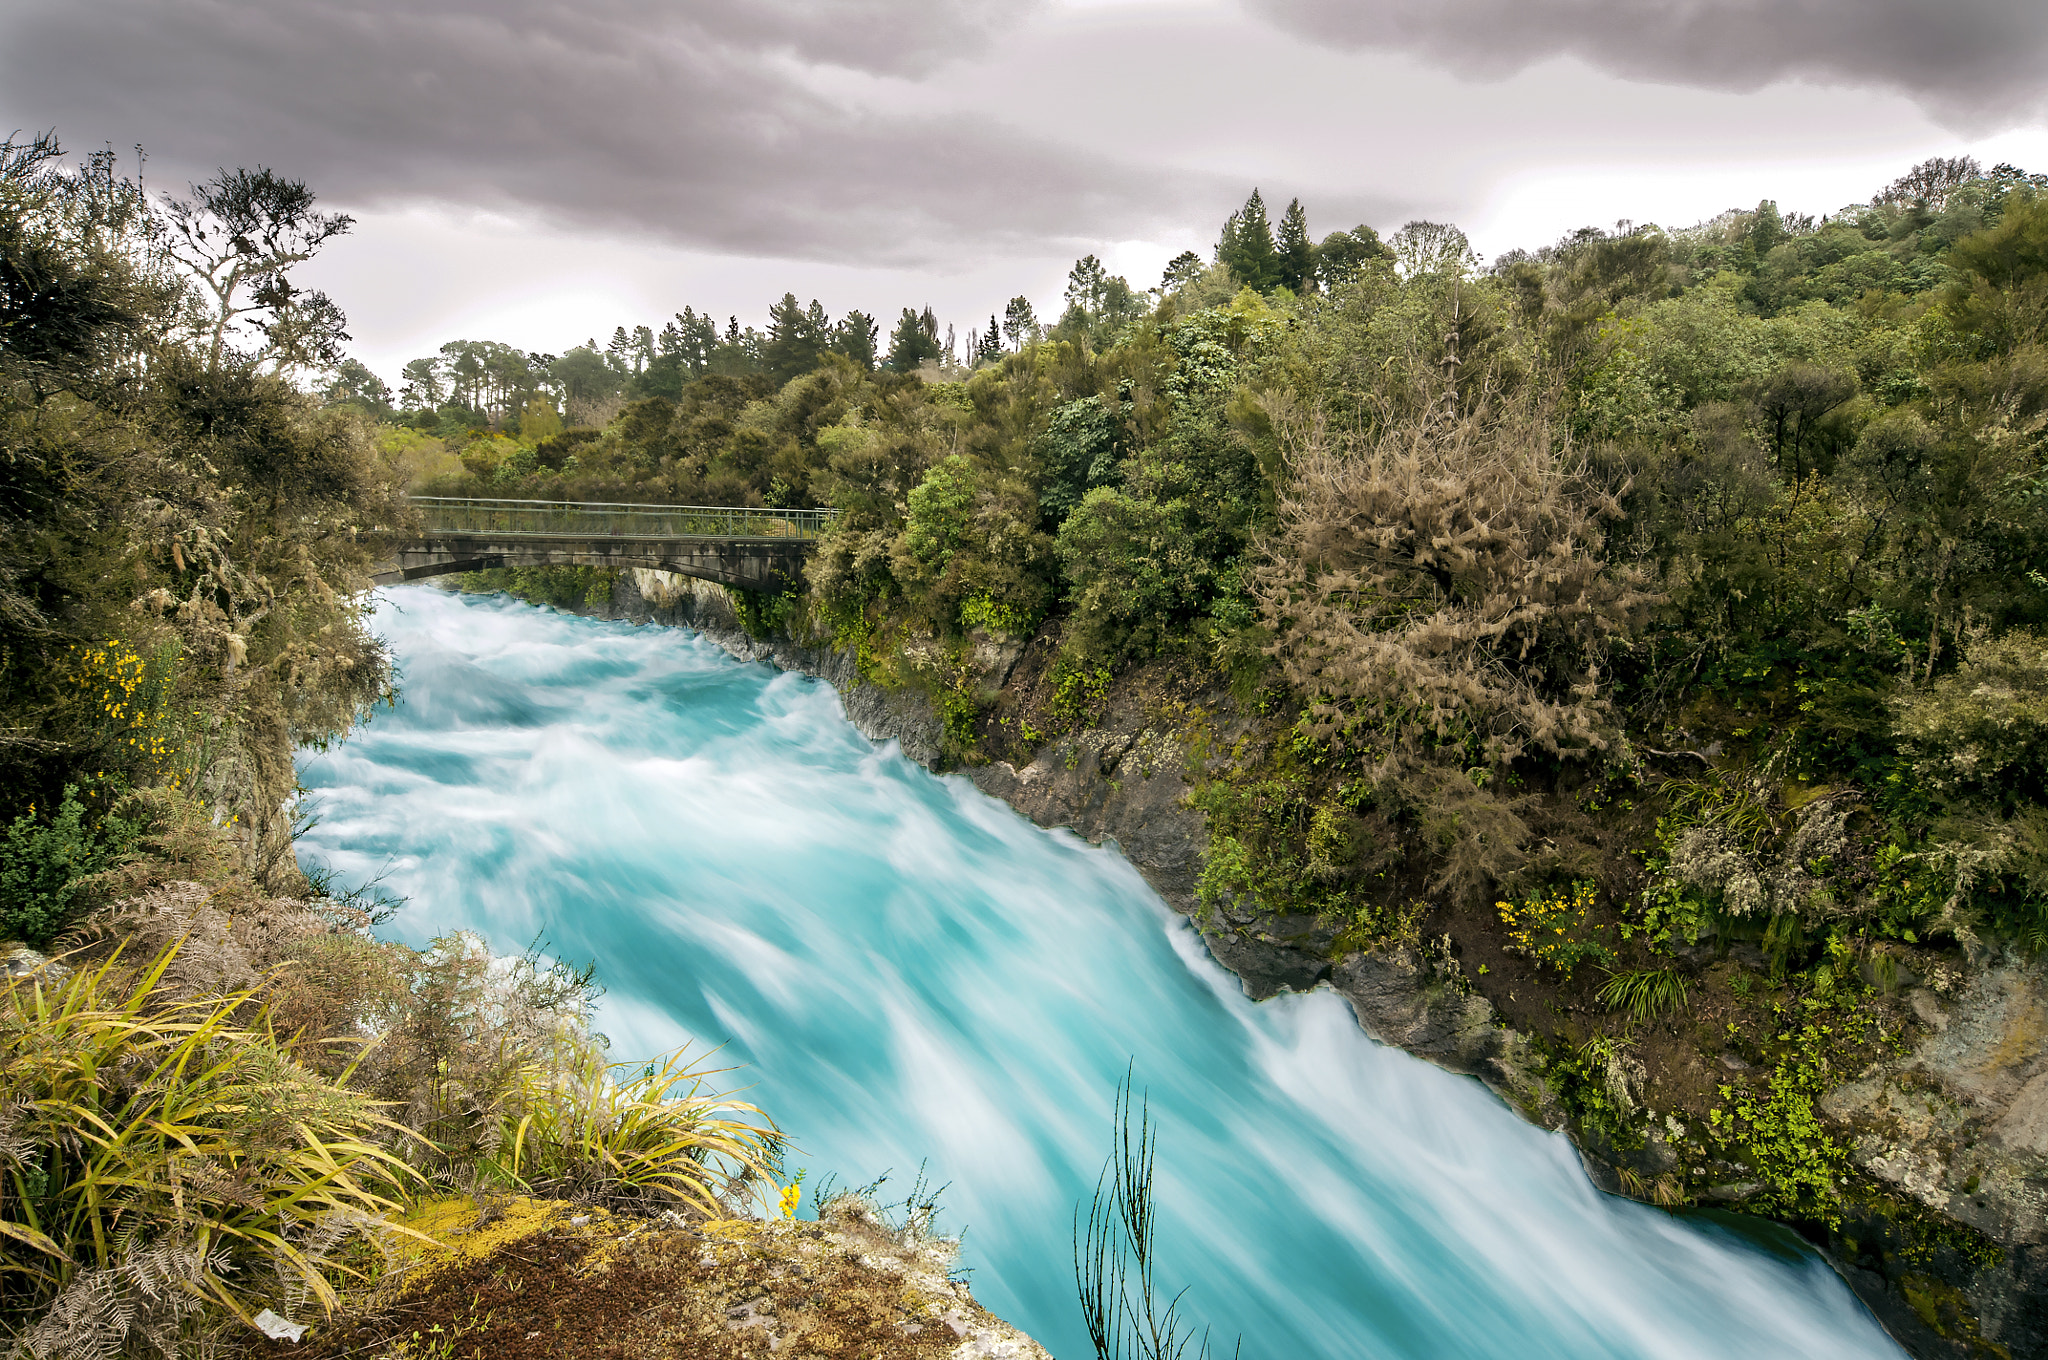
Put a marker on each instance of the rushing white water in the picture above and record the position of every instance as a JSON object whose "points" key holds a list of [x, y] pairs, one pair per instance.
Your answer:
{"points": [[913, 973]]}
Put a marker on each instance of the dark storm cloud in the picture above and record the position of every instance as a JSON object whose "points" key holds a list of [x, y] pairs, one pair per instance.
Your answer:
{"points": [[699, 123], [1971, 63]]}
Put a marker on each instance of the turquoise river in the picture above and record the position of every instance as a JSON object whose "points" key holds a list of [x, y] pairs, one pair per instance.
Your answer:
{"points": [[912, 973]]}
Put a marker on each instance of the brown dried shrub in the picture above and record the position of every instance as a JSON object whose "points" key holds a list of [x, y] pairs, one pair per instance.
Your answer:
{"points": [[1444, 584]]}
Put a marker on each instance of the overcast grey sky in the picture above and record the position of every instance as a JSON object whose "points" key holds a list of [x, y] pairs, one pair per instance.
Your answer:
{"points": [[539, 172]]}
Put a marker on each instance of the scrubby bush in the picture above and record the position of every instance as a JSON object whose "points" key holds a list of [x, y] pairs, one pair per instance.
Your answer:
{"points": [[1983, 729], [1446, 585], [45, 862], [166, 1159]]}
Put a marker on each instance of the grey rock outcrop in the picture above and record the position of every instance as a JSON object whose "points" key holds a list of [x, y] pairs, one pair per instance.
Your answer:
{"points": [[1960, 1125], [1401, 1002]]}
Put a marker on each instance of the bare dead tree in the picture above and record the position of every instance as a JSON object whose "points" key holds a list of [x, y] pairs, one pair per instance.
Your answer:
{"points": [[246, 229]]}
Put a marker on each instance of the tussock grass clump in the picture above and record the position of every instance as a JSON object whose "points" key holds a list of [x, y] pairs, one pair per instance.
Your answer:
{"points": [[240, 1122], [166, 1167], [1645, 993], [602, 1133]]}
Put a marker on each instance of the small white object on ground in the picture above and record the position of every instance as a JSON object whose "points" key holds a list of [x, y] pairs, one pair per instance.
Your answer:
{"points": [[277, 1329]]}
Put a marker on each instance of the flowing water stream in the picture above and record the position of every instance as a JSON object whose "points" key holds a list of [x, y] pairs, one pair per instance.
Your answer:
{"points": [[912, 973]]}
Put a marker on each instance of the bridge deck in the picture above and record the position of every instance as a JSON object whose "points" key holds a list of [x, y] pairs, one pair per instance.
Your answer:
{"points": [[737, 545], [577, 519]]}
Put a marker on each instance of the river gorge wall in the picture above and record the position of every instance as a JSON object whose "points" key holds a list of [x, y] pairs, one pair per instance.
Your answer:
{"points": [[1957, 1122]]}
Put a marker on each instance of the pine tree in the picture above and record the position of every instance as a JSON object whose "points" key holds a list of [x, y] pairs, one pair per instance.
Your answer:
{"points": [[1226, 242], [1297, 255], [1020, 323], [912, 342], [1247, 246], [620, 349], [699, 337], [991, 343], [856, 337], [795, 339]]}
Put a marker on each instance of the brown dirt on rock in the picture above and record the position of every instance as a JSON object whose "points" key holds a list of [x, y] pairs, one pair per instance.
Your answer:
{"points": [[626, 1290]]}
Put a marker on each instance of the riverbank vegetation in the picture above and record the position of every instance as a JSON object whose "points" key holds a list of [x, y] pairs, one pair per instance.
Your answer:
{"points": [[220, 1094], [1655, 622], [1650, 629]]}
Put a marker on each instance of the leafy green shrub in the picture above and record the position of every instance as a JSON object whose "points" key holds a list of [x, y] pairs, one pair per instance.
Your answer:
{"points": [[1591, 1082], [971, 532], [986, 612], [1671, 907], [1078, 692], [1779, 1131], [1078, 452], [561, 587], [1117, 552], [939, 511], [43, 866], [762, 613]]}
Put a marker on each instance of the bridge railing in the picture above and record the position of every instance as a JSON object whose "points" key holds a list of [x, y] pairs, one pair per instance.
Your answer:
{"points": [[596, 519]]}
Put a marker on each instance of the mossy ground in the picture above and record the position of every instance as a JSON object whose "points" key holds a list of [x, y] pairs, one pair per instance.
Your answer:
{"points": [[545, 1280]]}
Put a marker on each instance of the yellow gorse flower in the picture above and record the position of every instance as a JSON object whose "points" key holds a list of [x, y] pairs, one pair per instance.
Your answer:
{"points": [[1551, 927], [133, 695]]}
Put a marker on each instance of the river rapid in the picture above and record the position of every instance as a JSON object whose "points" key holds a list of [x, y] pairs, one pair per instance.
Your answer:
{"points": [[912, 973]]}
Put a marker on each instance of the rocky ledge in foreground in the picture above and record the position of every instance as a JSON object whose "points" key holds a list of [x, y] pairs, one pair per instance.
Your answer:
{"points": [[547, 1280]]}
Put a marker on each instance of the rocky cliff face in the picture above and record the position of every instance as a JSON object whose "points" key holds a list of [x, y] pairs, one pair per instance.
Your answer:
{"points": [[1959, 1125]]}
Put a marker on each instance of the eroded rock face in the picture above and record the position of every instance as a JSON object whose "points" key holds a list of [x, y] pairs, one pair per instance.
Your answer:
{"points": [[1960, 1125], [1399, 1002], [1107, 785]]}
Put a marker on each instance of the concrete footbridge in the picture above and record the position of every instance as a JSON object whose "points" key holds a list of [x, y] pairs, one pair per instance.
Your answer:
{"points": [[733, 545]]}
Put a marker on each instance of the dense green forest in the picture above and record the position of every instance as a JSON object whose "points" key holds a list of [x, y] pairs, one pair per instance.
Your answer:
{"points": [[1767, 485], [1587, 618]]}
